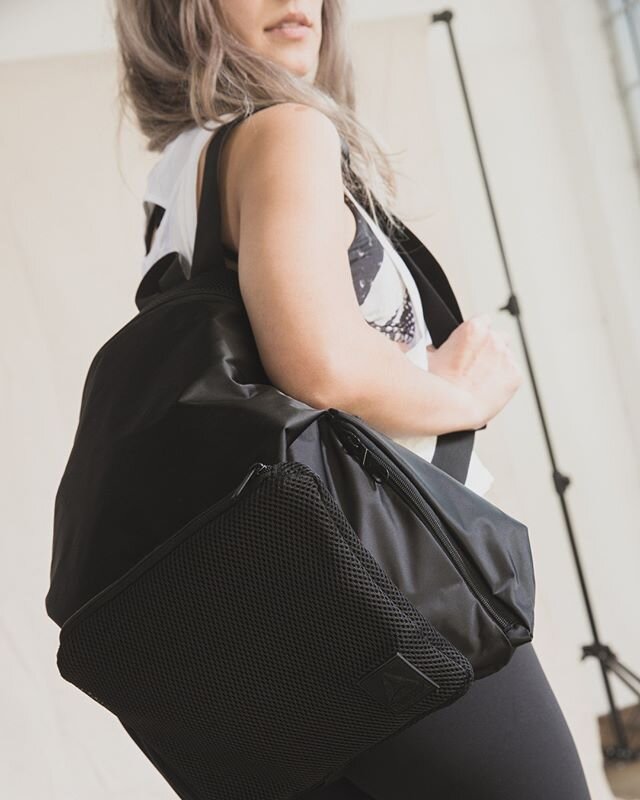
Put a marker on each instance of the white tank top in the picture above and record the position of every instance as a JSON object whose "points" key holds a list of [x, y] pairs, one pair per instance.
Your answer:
{"points": [[387, 293]]}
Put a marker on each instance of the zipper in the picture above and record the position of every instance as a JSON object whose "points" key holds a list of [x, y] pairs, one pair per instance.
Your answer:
{"points": [[189, 528], [255, 469], [382, 470]]}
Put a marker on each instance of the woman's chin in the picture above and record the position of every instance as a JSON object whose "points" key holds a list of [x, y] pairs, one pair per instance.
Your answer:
{"points": [[299, 65]]}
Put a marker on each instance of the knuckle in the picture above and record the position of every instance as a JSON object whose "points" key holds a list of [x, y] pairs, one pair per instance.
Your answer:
{"points": [[477, 325]]}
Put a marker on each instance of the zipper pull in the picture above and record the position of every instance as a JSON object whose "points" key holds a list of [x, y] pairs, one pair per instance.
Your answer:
{"points": [[255, 469], [366, 459], [355, 448]]}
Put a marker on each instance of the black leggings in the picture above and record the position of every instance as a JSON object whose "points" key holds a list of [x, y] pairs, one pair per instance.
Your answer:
{"points": [[505, 739]]}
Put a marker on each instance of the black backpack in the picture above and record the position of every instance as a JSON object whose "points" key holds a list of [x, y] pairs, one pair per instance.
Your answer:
{"points": [[260, 590]]}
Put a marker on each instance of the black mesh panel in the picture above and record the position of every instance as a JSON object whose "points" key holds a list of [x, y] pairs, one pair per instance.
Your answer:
{"points": [[235, 659]]}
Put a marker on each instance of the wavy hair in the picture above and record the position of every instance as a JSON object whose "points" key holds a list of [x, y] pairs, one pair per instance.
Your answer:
{"points": [[181, 65]]}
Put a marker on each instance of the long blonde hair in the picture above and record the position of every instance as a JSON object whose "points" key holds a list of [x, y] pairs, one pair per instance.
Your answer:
{"points": [[180, 66]]}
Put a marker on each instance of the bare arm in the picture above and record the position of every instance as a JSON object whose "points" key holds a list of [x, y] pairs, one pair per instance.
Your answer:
{"points": [[296, 284]]}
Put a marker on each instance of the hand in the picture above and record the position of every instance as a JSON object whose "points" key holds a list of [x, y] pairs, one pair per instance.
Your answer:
{"points": [[478, 360]]}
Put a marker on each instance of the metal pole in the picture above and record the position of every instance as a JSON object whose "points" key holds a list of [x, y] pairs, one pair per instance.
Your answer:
{"points": [[608, 662]]}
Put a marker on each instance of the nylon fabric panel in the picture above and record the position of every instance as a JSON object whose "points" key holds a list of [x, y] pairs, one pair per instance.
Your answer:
{"points": [[406, 548]]}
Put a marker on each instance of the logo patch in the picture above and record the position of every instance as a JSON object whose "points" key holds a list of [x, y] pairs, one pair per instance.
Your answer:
{"points": [[397, 684]]}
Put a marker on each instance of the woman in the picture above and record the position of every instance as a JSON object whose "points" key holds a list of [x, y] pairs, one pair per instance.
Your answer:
{"points": [[321, 282]]}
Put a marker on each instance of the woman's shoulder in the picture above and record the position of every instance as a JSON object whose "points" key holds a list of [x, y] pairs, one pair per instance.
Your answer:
{"points": [[290, 119], [289, 144], [277, 127]]}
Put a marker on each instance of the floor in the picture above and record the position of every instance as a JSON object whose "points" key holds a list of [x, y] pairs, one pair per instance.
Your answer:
{"points": [[623, 776]]}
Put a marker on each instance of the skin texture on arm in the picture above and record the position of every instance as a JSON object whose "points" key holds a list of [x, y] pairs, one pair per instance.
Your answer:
{"points": [[286, 217]]}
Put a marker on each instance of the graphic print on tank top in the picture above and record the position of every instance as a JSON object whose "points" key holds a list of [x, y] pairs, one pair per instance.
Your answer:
{"points": [[383, 297], [385, 289]]}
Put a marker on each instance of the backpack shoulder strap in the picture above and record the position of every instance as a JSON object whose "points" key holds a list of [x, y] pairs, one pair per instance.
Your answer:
{"points": [[208, 250]]}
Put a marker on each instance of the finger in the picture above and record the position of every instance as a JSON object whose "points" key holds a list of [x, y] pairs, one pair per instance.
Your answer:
{"points": [[476, 331], [483, 320]]}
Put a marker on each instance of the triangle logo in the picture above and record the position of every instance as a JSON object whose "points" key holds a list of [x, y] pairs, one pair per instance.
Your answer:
{"points": [[397, 683]]}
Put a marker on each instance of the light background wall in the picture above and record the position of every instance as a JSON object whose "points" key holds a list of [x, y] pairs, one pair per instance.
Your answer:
{"points": [[567, 201]]}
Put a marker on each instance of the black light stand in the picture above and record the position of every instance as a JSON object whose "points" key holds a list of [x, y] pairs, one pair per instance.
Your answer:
{"points": [[621, 751]]}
